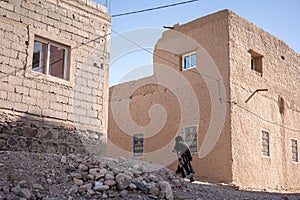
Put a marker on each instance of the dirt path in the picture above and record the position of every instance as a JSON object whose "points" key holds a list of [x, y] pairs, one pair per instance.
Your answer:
{"points": [[201, 190]]}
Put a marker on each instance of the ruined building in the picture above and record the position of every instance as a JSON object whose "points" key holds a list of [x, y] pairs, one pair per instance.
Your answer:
{"points": [[54, 75], [230, 89]]}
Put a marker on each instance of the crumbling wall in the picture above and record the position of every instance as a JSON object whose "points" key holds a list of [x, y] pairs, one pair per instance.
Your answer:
{"points": [[83, 26]]}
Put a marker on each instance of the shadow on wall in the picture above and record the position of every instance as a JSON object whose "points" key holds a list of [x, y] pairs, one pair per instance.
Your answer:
{"points": [[28, 133]]}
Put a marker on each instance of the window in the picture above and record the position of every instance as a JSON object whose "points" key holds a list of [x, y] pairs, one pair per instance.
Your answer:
{"points": [[138, 145], [265, 143], [256, 62], [294, 150], [50, 58], [252, 63], [191, 138], [189, 61]]}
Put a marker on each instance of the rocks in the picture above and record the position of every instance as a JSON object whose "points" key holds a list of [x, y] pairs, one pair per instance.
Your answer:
{"points": [[73, 190], [101, 188], [153, 189], [6, 189], [37, 186], [70, 169], [123, 193], [76, 175], [166, 190], [132, 187], [21, 192], [35, 135], [110, 182], [88, 185], [83, 167], [153, 178], [109, 177], [104, 196], [98, 183], [63, 160], [153, 196], [82, 189], [77, 182], [123, 181], [90, 191], [49, 181], [88, 177], [140, 185], [34, 172], [25, 193], [94, 172], [2, 196]]}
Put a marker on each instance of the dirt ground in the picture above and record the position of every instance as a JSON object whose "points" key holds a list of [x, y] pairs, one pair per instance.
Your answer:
{"points": [[200, 190]]}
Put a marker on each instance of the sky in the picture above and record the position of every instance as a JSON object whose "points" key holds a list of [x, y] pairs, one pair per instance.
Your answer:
{"points": [[278, 17]]}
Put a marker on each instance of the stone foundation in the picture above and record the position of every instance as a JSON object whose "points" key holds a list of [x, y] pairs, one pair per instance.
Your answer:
{"points": [[27, 133]]}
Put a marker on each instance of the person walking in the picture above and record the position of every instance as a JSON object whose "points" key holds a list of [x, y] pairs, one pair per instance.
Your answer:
{"points": [[184, 159]]}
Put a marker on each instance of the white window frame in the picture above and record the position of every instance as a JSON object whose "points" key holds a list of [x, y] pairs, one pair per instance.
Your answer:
{"points": [[40, 63], [252, 63], [190, 58], [66, 55], [135, 155], [269, 142], [296, 162], [184, 137]]}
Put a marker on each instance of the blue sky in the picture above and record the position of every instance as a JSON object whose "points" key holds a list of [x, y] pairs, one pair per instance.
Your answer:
{"points": [[278, 17]]}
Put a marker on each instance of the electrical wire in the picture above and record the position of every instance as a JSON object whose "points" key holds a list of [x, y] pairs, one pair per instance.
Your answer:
{"points": [[154, 54], [217, 80], [262, 118], [109, 6], [155, 8], [92, 40]]}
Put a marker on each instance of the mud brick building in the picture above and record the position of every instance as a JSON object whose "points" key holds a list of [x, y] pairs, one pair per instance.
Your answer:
{"points": [[230, 89], [54, 75]]}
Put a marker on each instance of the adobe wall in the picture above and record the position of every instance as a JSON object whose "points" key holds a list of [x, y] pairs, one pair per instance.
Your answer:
{"points": [[208, 37], [80, 102], [265, 110]]}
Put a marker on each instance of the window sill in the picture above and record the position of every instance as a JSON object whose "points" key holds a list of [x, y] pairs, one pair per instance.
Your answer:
{"points": [[268, 157], [137, 157], [256, 72], [48, 78], [183, 69]]}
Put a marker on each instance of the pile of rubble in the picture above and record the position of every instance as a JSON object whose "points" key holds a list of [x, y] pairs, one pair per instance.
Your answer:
{"points": [[52, 176]]}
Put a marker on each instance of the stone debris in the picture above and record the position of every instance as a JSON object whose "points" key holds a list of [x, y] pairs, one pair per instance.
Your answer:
{"points": [[38, 176], [123, 181], [76, 176]]}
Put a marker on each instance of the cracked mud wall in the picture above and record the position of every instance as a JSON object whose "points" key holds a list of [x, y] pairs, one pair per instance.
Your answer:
{"points": [[275, 110]]}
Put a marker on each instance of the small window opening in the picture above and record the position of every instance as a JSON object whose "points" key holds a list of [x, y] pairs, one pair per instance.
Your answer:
{"points": [[281, 105], [265, 143], [256, 63], [294, 150], [138, 145], [191, 138]]}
